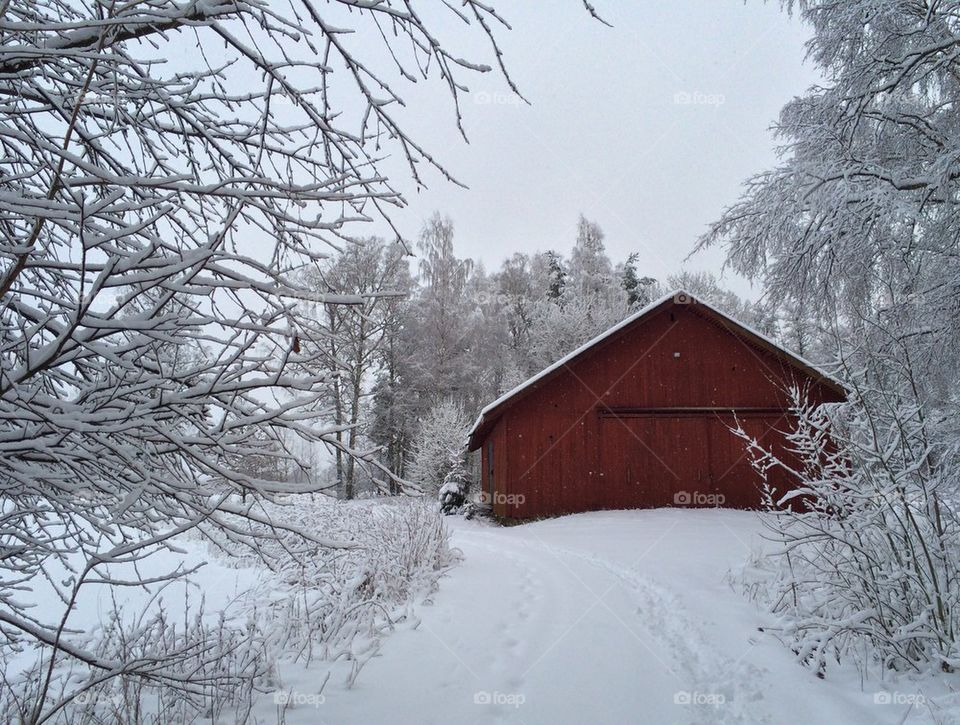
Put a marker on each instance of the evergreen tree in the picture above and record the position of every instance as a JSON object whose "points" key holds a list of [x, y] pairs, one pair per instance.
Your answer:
{"points": [[639, 289], [557, 276]]}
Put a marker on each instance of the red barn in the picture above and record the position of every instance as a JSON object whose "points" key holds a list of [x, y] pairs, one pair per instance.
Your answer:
{"points": [[640, 417]]}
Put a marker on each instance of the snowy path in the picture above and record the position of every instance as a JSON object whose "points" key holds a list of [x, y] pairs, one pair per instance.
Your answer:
{"points": [[611, 617]]}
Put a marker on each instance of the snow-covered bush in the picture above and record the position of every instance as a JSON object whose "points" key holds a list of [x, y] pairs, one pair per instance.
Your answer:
{"points": [[338, 604], [440, 446], [203, 666], [319, 605], [453, 492], [866, 563]]}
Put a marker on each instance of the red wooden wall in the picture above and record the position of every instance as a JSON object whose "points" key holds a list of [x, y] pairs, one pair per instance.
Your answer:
{"points": [[625, 425]]}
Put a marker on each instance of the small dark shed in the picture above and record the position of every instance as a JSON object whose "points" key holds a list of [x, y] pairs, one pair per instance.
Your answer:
{"points": [[640, 417]]}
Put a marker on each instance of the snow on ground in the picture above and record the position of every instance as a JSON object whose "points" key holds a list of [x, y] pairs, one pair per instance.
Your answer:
{"points": [[607, 617]]}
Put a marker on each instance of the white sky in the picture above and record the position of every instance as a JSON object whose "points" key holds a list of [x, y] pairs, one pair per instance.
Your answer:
{"points": [[605, 135]]}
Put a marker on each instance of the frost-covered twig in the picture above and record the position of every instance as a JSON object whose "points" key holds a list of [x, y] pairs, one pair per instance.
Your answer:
{"points": [[866, 549], [169, 170]]}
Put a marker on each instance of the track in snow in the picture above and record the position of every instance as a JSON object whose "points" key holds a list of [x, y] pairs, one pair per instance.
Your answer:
{"points": [[610, 617]]}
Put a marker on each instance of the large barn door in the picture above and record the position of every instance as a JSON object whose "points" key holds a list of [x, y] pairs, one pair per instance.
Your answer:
{"points": [[666, 458], [650, 461]]}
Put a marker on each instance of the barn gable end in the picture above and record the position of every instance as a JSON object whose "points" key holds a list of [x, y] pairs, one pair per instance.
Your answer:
{"points": [[639, 417]]}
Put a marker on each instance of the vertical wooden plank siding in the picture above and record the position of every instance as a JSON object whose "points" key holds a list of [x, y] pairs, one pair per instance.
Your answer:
{"points": [[644, 420]]}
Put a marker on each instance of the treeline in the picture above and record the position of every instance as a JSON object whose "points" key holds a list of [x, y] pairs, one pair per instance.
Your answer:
{"points": [[439, 337]]}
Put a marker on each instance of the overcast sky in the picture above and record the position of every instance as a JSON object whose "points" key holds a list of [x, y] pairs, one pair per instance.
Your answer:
{"points": [[608, 133]]}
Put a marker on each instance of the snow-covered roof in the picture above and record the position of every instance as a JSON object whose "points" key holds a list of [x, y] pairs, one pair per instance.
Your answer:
{"points": [[675, 294]]}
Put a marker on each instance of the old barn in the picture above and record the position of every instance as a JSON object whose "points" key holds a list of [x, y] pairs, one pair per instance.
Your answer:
{"points": [[640, 417]]}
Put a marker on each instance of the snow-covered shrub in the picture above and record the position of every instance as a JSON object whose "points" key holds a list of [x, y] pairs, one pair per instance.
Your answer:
{"points": [[866, 563], [319, 605], [202, 667], [440, 446], [337, 605], [453, 492]]}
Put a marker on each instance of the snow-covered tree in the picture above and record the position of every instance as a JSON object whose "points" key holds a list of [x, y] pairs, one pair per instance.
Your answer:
{"points": [[430, 351], [440, 446], [439, 335], [857, 226], [517, 288], [491, 338], [443, 313], [590, 272], [393, 409], [551, 267], [641, 291], [802, 330], [160, 196], [858, 218], [456, 483], [557, 330], [378, 273], [569, 303]]}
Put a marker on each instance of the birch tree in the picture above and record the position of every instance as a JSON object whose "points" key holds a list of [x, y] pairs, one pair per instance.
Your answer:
{"points": [[590, 272], [440, 360], [379, 273], [859, 217]]}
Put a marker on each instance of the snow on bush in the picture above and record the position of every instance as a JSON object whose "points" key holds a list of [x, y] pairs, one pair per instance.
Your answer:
{"points": [[453, 492], [202, 665], [318, 605], [867, 558], [337, 604]]}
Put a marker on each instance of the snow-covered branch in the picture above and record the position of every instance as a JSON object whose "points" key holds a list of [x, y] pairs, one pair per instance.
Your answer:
{"points": [[169, 171]]}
